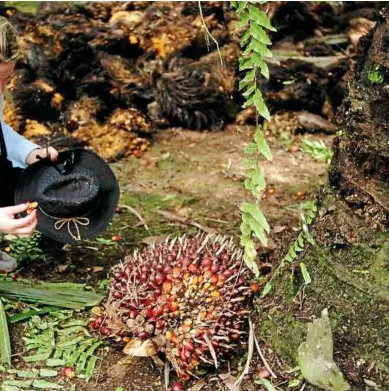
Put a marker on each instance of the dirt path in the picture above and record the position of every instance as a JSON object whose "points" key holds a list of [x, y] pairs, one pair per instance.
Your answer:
{"points": [[205, 170]]}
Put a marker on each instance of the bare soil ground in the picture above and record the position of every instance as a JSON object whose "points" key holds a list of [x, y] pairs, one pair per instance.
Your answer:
{"points": [[198, 177]]}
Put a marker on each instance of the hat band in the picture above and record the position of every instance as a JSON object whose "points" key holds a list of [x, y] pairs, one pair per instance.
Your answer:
{"points": [[76, 221]]}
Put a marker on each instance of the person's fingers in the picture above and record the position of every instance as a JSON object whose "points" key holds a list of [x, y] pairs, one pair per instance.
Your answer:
{"points": [[27, 230], [13, 210], [24, 221], [53, 154]]}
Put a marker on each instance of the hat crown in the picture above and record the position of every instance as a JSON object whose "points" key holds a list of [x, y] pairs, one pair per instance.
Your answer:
{"points": [[77, 195], [68, 195]]}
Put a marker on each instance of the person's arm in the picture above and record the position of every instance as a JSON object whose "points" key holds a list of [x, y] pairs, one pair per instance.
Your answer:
{"points": [[22, 152], [18, 147]]}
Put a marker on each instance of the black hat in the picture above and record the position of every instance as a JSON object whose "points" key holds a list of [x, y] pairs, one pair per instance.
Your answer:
{"points": [[77, 196]]}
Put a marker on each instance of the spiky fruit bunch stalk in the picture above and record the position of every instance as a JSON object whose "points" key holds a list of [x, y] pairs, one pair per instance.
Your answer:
{"points": [[194, 294]]}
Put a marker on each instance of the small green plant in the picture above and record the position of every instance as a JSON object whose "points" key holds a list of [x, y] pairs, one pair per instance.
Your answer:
{"points": [[5, 343], [61, 341], [254, 43], [308, 213], [318, 150], [266, 383], [375, 74], [286, 140], [105, 242], [57, 340], [24, 249]]}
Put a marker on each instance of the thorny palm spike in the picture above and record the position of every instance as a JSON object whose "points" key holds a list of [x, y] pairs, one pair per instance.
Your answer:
{"points": [[172, 243]]}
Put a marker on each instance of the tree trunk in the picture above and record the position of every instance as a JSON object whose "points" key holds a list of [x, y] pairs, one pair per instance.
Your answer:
{"points": [[349, 266]]}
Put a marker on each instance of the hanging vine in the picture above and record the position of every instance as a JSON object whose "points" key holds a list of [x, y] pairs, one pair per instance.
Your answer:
{"points": [[254, 43]]}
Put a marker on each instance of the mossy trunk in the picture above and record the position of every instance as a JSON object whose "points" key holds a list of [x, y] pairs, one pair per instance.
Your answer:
{"points": [[349, 266]]}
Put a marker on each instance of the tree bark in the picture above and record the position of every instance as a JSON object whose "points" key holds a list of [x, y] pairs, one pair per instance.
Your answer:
{"points": [[349, 265]]}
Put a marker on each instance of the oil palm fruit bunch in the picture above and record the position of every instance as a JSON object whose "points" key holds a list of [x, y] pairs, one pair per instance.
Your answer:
{"points": [[188, 298]]}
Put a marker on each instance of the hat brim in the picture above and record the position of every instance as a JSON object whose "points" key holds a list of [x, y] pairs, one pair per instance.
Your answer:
{"points": [[100, 215]]}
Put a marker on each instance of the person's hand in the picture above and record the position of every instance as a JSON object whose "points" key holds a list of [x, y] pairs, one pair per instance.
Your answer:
{"points": [[41, 153], [23, 227]]}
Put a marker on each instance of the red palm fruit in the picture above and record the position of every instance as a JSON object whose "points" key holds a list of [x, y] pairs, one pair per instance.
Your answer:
{"points": [[159, 278], [225, 257], [221, 280], [144, 269], [176, 386], [182, 355], [189, 346], [254, 287], [186, 353], [193, 268], [156, 312], [149, 313], [167, 269], [174, 306], [176, 271], [173, 297], [133, 313], [167, 286], [69, 373], [206, 262], [166, 309], [263, 373], [117, 295], [159, 324], [143, 277], [94, 325], [185, 262], [169, 277], [147, 302]]}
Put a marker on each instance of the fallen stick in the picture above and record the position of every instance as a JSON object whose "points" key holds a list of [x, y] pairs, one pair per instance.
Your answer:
{"points": [[137, 214], [263, 358], [216, 220], [320, 61], [249, 354], [174, 217]]}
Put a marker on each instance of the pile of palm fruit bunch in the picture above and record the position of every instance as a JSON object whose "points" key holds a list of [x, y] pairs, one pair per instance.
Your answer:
{"points": [[314, 50], [188, 298], [108, 74]]}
